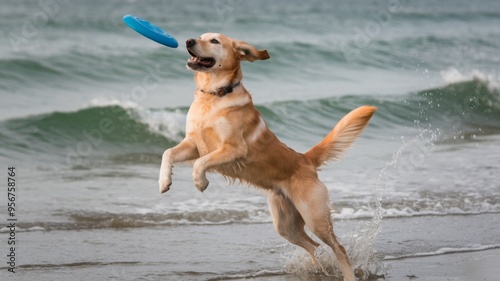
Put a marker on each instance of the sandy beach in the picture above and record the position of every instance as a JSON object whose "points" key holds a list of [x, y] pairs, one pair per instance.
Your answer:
{"points": [[468, 266], [471, 266], [255, 252], [89, 106]]}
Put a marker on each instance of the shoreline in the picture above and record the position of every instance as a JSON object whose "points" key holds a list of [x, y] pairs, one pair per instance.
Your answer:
{"points": [[255, 252], [462, 266], [466, 266]]}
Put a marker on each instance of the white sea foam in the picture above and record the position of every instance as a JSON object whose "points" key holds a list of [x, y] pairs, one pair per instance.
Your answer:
{"points": [[453, 75], [20, 229], [110, 101], [260, 273], [364, 213], [446, 250], [167, 123]]}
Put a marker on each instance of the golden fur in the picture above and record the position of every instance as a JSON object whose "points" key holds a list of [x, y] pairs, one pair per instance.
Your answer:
{"points": [[225, 133]]}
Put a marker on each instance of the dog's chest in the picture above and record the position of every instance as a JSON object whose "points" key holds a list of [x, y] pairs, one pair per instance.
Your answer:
{"points": [[204, 124], [211, 120]]}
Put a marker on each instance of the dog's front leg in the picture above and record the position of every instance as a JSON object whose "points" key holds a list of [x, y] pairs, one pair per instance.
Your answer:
{"points": [[185, 150], [224, 154]]}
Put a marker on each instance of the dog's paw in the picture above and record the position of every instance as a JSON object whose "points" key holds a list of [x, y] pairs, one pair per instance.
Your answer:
{"points": [[201, 183], [165, 181]]}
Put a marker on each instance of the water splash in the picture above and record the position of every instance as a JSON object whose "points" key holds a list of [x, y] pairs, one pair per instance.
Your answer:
{"points": [[299, 263], [361, 241]]}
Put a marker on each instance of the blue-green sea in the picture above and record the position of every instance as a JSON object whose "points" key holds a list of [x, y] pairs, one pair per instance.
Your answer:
{"points": [[88, 106]]}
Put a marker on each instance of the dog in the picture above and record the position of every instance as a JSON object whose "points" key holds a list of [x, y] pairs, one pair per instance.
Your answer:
{"points": [[225, 133]]}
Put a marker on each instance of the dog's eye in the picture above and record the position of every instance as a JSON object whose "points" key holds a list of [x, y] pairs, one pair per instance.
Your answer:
{"points": [[214, 41]]}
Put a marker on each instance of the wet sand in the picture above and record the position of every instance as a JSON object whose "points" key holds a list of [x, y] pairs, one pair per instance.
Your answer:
{"points": [[469, 266], [255, 252]]}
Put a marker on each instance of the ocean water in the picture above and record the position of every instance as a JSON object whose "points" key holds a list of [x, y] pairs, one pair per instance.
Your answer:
{"points": [[88, 106]]}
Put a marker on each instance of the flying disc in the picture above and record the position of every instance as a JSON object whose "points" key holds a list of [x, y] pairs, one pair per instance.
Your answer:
{"points": [[150, 31]]}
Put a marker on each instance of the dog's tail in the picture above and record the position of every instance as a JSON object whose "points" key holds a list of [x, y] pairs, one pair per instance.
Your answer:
{"points": [[342, 136]]}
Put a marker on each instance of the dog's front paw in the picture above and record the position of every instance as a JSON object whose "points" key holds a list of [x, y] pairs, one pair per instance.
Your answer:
{"points": [[165, 181], [200, 182]]}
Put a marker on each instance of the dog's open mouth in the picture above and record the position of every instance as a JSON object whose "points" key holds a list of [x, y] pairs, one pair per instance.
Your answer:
{"points": [[204, 62]]}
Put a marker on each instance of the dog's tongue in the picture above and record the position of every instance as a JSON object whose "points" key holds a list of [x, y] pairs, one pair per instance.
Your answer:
{"points": [[207, 62]]}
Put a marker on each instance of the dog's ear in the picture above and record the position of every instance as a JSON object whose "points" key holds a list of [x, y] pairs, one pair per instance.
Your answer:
{"points": [[249, 52]]}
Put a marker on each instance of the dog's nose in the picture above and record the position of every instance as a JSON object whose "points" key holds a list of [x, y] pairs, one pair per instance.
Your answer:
{"points": [[190, 43]]}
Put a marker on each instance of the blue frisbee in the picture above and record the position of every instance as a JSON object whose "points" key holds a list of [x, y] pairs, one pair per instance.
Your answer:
{"points": [[150, 30]]}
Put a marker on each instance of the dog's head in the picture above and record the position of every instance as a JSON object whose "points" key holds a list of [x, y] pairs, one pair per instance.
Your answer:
{"points": [[214, 52]]}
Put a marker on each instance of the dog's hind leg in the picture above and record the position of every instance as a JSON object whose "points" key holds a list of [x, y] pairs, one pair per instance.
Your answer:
{"points": [[314, 207], [289, 223]]}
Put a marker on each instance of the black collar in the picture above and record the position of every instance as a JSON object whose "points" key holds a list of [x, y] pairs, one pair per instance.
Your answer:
{"points": [[224, 90]]}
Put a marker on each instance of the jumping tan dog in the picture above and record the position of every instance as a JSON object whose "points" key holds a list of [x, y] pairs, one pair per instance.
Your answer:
{"points": [[225, 133]]}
